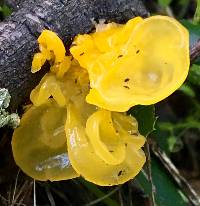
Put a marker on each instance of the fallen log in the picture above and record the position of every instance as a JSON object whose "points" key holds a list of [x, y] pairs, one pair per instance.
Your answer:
{"points": [[19, 32]]}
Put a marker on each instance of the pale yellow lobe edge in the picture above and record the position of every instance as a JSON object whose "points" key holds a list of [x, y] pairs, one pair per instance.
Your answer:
{"points": [[113, 35], [39, 144], [127, 127], [104, 139], [84, 159]]}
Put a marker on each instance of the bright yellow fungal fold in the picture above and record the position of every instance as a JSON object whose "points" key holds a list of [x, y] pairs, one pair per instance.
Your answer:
{"points": [[50, 42], [51, 48], [74, 126], [139, 67], [103, 136]]}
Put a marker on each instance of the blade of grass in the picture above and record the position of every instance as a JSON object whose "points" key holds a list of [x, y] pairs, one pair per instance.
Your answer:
{"points": [[34, 193], [196, 19], [101, 199], [99, 193], [50, 196]]}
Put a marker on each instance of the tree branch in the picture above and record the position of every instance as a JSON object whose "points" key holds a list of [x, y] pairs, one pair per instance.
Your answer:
{"points": [[14, 4], [19, 32]]}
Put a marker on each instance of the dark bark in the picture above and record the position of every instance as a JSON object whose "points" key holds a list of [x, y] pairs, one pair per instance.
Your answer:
{"points": [[19, 32], [14, 4]]}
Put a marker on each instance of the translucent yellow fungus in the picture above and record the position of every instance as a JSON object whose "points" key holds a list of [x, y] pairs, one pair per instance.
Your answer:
{"points": [[104, 138], [49, 86], [41, 134], [113, 36], [137, 63], [38, 61], [83, 154], [76, 105], [39, 143], [64, 66], [50, 41], [73, 84], [51, 48]]}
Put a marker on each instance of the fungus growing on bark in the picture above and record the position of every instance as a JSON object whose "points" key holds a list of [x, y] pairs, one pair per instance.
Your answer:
{"points": [[77, 105], [149, 57]]}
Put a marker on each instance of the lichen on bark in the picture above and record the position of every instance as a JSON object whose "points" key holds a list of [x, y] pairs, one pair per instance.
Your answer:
{"points": [[11, 120]]}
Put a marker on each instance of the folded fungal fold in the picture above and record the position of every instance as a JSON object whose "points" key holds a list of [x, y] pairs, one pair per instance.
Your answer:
{"points": [[77, 120], [135, 63]]}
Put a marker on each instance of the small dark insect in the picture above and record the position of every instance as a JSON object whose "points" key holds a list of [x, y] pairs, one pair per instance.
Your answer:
{"points": [[137, 51], [75, 81], [126, 80], [126, 144], [81, 54], [119, 173], [120, 56], [127, 87], [111, 151]]}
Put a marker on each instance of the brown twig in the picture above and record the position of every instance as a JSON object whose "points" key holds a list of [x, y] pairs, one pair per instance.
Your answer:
{"points": [[195, 52], [149, 173], [173, 171]]}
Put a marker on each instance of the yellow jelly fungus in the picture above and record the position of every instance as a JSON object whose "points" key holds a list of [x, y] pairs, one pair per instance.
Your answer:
{"points": [[51, 48], [73, 85], [84, 158], [52, 43], [114, 35], [128, 127], [39, 143], [48, 87], [76, 105], [48, 55], [64, 66], [38, 61], [134, 64], [106, 140], [42, 127]]}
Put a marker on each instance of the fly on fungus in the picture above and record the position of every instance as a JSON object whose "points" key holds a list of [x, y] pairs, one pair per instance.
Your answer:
{"points": [[76, 122]]}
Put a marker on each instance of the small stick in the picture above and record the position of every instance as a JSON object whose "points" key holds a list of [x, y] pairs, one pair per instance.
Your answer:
{"points": [[149, 173], [195, 52], [173, 171]]}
